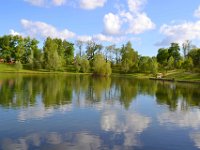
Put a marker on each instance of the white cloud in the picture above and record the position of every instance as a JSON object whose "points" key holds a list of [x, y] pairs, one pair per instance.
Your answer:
{"points": [[58, 2], [105, 38], [132, 21], [139, 24], [36, 2], [44, 30], [135, 5], [180, 32], [91, 4], [13, 32], [84, 38], [197, 12], [112, 23], [44, 3]]}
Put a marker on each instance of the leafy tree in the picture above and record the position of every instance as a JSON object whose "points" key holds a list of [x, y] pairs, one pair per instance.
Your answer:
{"points": [[92, 48], [162, 56], [171, 63], [6, 47], [144, 64], [174, 52], [68, 51], [188, 63], [195, 55], [129, 57], [101, 67], [77, 63], [85, 65], [153, 65], [51, 57], [109, 50]]}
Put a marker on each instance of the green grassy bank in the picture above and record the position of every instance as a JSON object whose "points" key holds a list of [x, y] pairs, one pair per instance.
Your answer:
{"points": [[178, 75]]}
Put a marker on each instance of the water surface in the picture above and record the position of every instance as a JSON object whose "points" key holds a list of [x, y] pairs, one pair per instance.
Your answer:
{"points": [[82, 112]]}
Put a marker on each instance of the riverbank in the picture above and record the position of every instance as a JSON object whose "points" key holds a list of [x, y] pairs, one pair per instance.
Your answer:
{"points": [[173, 75], [179, 76]]}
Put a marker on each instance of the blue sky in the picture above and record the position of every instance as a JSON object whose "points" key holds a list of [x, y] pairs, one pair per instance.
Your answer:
{"points": [[148, 24]]}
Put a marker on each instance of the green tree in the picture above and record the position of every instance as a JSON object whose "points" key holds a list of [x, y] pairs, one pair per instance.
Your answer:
{"points": [[162, 56], [195, 55], [101, 67], [92, 48], [77, 63], [144, 64], [85, 65], [171, 63], [129, 57], [174, 51], [153, 64], [51, 57], [188, 63], [6, 47]]}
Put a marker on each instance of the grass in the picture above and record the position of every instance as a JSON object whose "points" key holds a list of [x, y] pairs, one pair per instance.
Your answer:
{"points": [[176, 74], [182, 75]]}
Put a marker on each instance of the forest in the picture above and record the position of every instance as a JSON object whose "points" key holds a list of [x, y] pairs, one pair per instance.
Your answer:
{"points": [[92, 57]]}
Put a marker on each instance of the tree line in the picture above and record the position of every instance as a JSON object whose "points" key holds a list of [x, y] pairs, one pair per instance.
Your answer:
{"points": [[59, 55]]}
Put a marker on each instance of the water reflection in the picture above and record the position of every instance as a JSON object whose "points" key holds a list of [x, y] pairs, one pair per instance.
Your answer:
{"points": [[196, 138], [82, 112], [55, 91], [54, 140], [129, 124]]}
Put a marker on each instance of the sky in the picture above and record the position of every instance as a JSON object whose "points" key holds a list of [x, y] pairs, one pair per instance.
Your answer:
{"points": [[147, 24]]}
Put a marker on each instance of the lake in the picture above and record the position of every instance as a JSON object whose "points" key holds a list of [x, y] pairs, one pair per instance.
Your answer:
{"points": [[57, 112]]}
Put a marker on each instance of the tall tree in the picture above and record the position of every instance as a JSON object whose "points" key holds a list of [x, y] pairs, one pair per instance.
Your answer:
{"points": [[51, 57], [129, 57], [92, 48], [174, 51], [162, 56], [101, 67]]}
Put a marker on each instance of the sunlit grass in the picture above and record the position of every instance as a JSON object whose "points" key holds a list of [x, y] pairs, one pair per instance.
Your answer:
{"points": [[182, 75]]}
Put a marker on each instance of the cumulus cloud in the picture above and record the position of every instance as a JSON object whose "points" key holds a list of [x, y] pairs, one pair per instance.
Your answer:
{"points": [[135, 5], [139, 24], [180, 32], [43, 29], [84, 38], [58, 2], [44, 3], [112, 23], [131, 21], [13, 32], [91, 4], [197, 12]]}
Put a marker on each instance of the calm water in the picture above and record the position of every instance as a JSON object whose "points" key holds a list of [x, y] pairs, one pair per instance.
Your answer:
{"points": [[80, 112]]}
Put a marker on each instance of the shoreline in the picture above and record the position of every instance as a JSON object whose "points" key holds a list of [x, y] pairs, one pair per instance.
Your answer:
{"points": [[174, 80], [134, 75]]}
